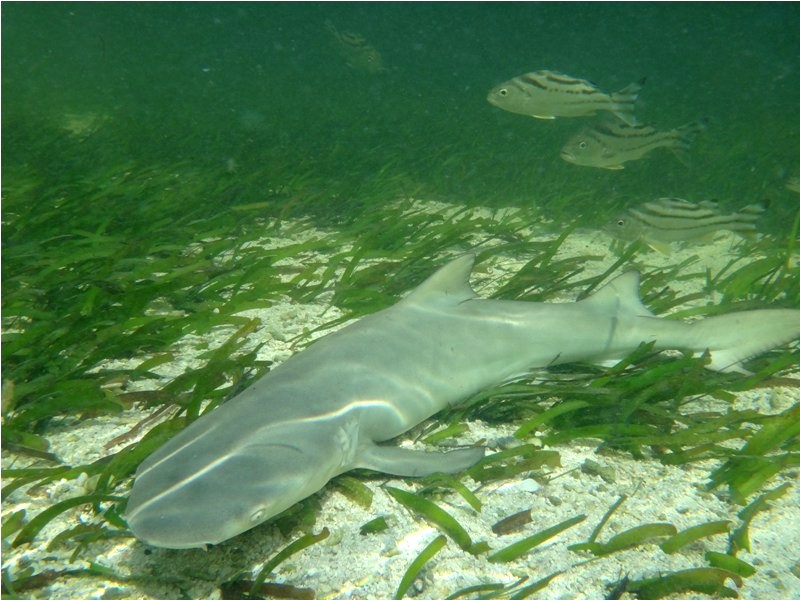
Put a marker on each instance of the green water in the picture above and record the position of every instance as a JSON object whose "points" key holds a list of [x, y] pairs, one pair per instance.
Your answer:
{"points": [[258, 89], [131, 132]]}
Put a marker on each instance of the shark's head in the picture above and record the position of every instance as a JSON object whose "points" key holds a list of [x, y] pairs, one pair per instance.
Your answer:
{"points": [[191, 493]]}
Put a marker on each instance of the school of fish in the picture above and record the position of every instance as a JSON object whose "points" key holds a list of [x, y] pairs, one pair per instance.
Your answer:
{"points": [[606, 144], [615, 139]]}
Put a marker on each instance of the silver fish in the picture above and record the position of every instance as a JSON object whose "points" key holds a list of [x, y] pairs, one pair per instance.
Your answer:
{"points": [[327, 409], [608, 145], [547, 95], [667, 220]]}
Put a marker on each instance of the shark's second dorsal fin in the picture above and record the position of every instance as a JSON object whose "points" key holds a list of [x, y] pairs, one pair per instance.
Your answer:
{"points": [[620, 294], [450, 283]]}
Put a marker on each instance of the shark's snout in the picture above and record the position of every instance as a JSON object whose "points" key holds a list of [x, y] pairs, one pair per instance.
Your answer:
{"points": [[166, 531], [178, 503], [191, 513]]}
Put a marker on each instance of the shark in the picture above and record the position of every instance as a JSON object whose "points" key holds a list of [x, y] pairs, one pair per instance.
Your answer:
{"points": [[329, 408]]}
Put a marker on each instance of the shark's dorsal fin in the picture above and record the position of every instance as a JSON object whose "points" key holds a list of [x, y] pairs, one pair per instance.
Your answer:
{"points": [[620, 294], [450, 283]]}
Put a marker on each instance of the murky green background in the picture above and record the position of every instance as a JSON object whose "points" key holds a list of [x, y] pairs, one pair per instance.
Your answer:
{"points": [[255, 96], [149, 148]]}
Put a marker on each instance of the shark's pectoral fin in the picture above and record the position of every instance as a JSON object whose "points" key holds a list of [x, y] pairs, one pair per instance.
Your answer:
{"points": [[415, 463]]}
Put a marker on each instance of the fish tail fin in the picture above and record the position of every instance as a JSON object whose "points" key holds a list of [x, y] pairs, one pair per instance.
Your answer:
{"points": [[746, 217], [682, 154], [735, 337], [687, 133], [755, 210], [625, 99], [751, 213], [684, 137]]}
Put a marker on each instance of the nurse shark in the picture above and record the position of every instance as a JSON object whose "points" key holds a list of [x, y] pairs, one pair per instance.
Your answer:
{"points": [[326, 409]]}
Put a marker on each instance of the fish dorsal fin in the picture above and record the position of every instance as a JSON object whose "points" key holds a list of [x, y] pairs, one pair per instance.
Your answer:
{"points": [[621, 294], [449, 284]]}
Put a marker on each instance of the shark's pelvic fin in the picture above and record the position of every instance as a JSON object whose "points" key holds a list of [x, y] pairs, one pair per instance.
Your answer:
{"points": [[415, 463], [621, 294], [450, 283]]}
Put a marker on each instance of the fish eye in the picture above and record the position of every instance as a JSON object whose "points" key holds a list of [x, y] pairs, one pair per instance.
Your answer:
{"points": [[502, 92], [258, 515], [621, 222], [582, 145]]}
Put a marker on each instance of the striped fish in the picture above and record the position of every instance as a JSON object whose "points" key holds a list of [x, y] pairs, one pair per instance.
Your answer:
{"points": [[355, 50], [547, 95], [608, 145], [667, 220]]}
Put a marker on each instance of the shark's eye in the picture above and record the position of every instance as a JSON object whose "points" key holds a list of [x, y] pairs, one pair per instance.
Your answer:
{"points": [[258, 515]]}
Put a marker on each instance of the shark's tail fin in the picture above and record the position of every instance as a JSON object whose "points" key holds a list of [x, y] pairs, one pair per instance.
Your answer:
{"points": [[735, 337], [729, 339]]}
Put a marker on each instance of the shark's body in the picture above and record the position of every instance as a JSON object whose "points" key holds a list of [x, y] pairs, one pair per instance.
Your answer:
{"points": [[321, 412]]}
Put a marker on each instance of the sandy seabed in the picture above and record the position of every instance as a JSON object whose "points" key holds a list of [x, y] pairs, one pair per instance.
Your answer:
{"points": [[348, 565]]}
